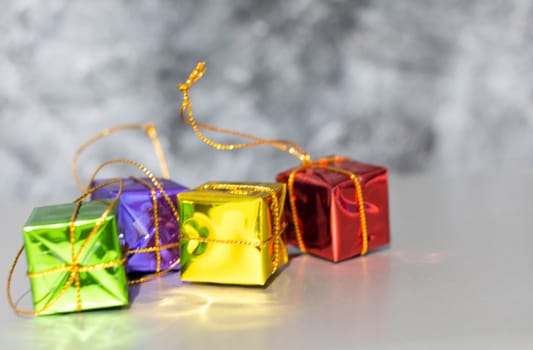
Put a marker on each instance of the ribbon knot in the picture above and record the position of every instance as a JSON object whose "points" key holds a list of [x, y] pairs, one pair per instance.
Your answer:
{"points": [[75, 269], [195, 75]]}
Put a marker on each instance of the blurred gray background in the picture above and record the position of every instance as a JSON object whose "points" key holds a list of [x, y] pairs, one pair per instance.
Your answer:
{"points": [[416, 85]]}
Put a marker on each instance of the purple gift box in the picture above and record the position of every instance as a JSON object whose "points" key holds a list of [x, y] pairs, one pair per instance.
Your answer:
{"points": [[137, 225]]}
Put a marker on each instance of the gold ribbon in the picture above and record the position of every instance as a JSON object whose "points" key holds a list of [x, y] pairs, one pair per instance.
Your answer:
{"points": [[150, 131], [275, 209], [286, 146], [74, 267], [197, 73]]}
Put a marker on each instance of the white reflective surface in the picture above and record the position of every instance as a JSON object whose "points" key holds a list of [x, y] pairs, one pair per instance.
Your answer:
{"points": [[458, 275]]}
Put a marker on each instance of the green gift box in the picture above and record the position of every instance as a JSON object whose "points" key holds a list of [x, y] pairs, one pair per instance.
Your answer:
{"points": [[77, 264]]}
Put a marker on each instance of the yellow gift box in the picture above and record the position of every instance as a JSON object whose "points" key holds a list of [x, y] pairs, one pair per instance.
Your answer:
{"points": [[231, 233]]}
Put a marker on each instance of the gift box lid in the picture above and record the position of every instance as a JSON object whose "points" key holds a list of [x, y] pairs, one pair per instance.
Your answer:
{"points": [[214, 192], [327, 178], [59, 215], [132, 185]]}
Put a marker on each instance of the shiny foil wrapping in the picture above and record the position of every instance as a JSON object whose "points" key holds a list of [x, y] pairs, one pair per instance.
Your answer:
{"points": [[48, 250], [136, 222], [329, 214], [229, 236]]}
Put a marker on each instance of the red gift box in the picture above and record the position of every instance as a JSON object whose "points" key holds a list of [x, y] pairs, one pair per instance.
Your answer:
{"points": [[327, 196]]}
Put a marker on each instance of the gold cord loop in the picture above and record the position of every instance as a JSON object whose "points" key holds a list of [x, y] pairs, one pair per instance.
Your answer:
{"points": [[195, 75], [284, 145], [150, 131]]}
